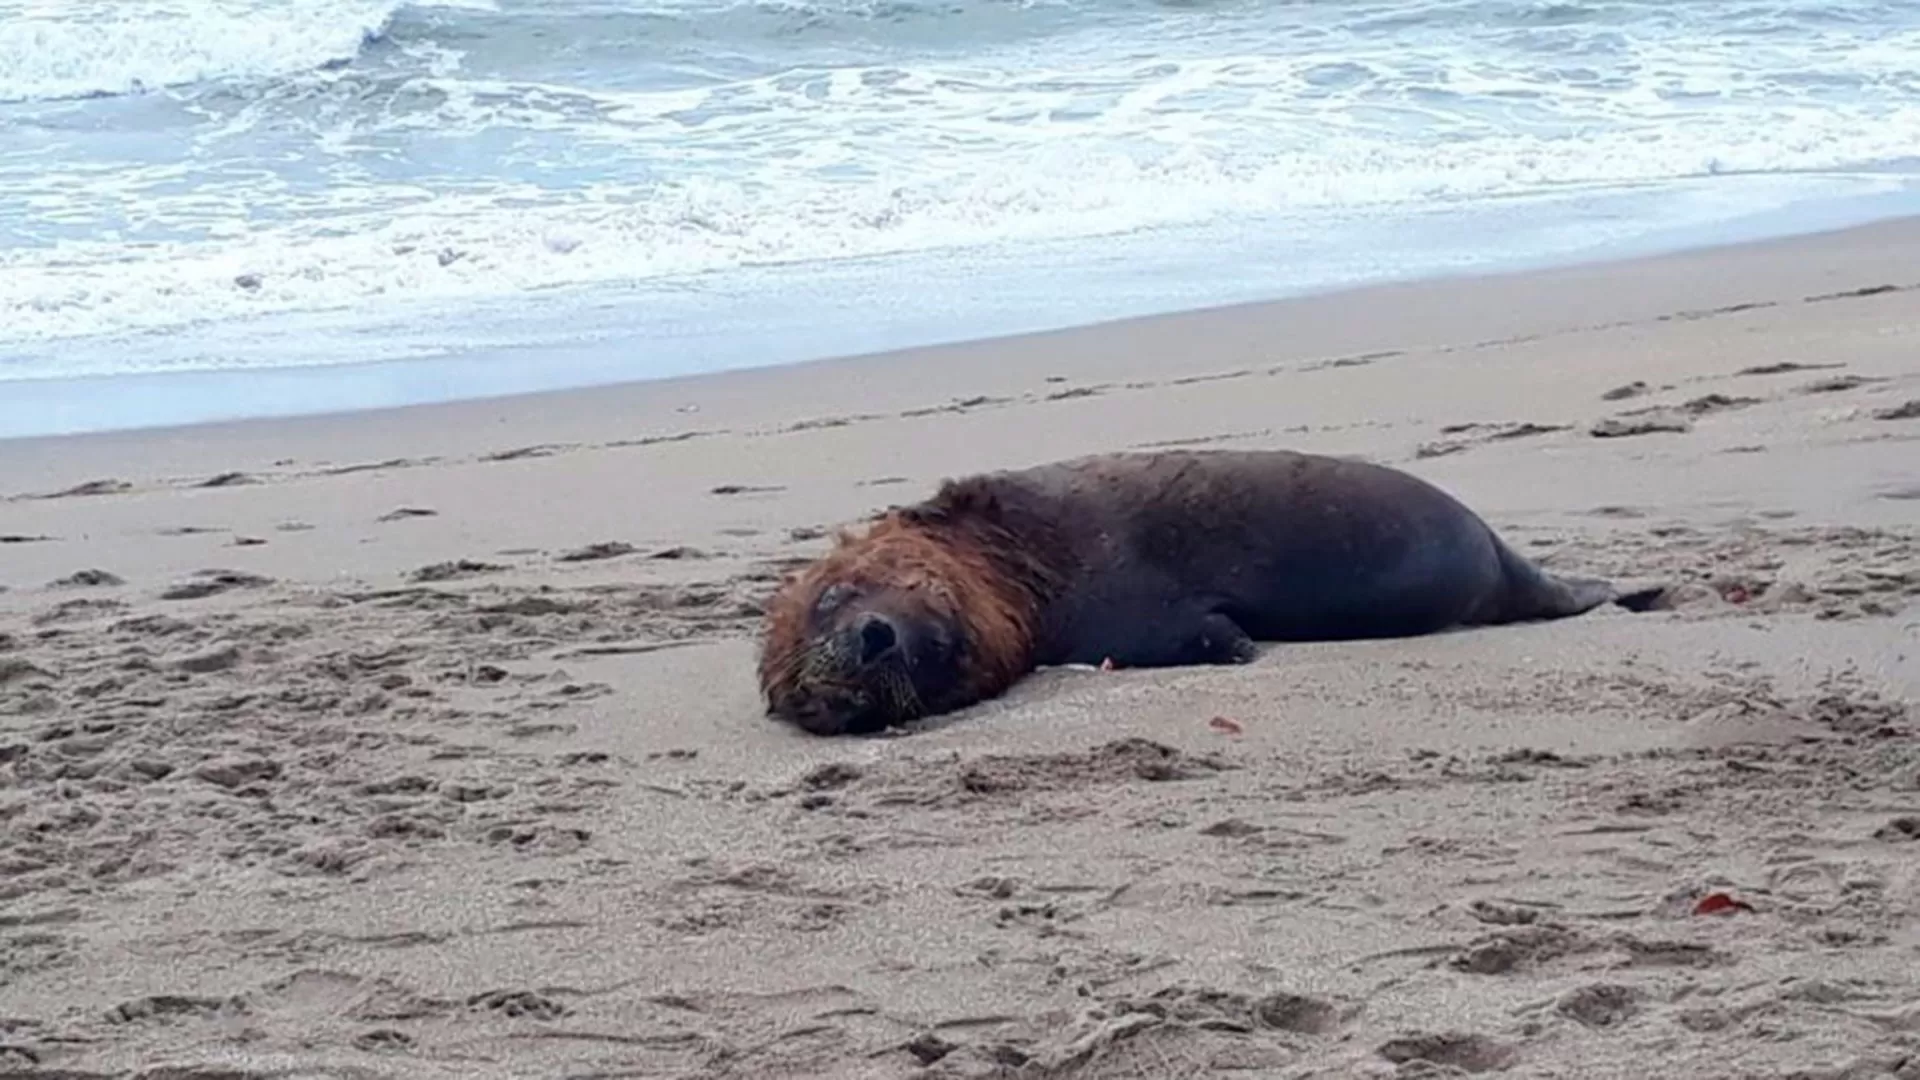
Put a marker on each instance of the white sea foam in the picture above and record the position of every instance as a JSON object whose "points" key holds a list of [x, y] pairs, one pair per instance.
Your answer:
{"points": [[504, 242], [77, 48]]}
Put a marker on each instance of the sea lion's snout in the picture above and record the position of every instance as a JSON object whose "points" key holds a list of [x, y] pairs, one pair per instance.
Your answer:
{"points": [[856, 677], [879, 638], [841, 681], [824, 715]]}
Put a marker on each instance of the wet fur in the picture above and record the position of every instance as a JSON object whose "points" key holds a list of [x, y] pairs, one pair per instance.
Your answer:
{"points": [[1144, 559]]}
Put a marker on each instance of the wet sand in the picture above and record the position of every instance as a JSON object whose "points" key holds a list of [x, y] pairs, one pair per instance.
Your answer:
{"points": [[424, 743]]}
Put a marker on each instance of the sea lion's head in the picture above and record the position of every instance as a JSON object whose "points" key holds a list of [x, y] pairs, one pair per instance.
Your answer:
{"points": [[901, 623], [872, 655]]}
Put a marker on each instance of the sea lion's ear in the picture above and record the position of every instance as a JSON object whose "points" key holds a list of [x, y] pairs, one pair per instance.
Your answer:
{"points": [[962, 498], [922, 514]]}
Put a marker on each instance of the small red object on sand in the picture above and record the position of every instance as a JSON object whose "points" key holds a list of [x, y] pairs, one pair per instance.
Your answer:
{"points": [[1719, 903], [1222, 724], [1738, 595]]}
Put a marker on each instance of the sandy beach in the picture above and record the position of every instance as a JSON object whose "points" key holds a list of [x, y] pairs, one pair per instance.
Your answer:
{"points": [[424, 743]]}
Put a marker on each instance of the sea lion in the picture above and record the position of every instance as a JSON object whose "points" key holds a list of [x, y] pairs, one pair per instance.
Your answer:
{"points": [[1142, 559]]}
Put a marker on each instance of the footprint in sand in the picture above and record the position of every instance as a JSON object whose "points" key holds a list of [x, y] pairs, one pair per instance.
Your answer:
{"points": [[1457, 1050], [1600, 1005], [405, 512], [91, 487], [235, 772], [213, 582], [170, 1007], [449, 571], [1077, 392], [1783, 367], [88, 579], [605, 549], [383, 1041], [1520, 948], [13, 669], [1713, 403], [208, 661], [746, 489], [1298, 1013], [1620, 427], [1837, 383], [227, 479], [521, 453], [1612, 511], [1482, 433], [391, 463], [1899, 830], [957, 405], [1855, 294]]}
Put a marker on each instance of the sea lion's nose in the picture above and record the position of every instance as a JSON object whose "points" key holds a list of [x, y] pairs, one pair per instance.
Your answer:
{"points": [[877, 638]]}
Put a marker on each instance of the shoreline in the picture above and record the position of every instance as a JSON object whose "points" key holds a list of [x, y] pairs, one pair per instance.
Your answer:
{"points": [[130, 402], [714, 427]]}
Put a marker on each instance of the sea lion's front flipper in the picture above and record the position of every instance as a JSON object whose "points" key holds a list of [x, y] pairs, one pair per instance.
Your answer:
{"points": [[1221, 641]]}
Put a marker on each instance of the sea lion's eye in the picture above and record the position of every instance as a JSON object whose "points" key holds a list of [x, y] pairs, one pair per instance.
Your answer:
{"points": [[834, 595], [944, 645]]}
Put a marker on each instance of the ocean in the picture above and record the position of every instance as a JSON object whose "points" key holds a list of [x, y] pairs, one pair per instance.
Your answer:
{"points": [[216, 208]]}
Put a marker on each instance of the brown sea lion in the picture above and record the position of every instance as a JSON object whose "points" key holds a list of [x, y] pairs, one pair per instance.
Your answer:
{"points": [[1144, 559]]}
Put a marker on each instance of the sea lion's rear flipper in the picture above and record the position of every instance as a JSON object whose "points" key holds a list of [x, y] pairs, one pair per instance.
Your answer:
{"points": [[1581, 593], [1648, 598], [1532, 593]]}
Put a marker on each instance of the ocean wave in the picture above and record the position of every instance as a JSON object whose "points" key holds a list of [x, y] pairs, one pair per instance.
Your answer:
{"points": [[470, 246], [111, 47], [569, 143]]}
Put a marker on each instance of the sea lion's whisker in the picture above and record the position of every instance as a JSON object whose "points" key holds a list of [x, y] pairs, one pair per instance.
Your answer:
{"points": [[900, 695]]}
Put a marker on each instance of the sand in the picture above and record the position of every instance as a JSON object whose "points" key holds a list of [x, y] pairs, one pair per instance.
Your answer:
{"points": [[424, 743]]}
